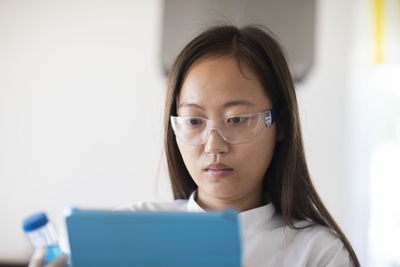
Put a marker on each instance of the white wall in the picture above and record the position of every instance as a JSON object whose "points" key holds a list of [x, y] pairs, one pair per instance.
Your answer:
{"points": [[81, 96], [81, 101]]}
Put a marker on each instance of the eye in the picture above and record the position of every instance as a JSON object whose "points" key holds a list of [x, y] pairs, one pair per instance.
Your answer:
{"points": [[237, 120], [193, 122]]}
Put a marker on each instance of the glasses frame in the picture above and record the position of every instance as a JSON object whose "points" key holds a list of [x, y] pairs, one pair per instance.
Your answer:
{"points": [[268, 115]]}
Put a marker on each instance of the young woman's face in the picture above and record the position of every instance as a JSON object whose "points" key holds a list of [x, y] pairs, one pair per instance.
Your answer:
{"points": [[226, 174]]}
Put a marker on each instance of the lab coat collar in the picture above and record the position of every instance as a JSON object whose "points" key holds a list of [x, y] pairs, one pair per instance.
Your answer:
{"points": [[250, 219], [192, 205], [255, 219]]}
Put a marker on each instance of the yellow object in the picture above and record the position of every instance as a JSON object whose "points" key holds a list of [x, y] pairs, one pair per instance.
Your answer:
{"points": [[398, 29], [378, 6]]}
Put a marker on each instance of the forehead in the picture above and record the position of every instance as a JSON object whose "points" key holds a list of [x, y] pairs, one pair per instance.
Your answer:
{"points": [[213, 82]]}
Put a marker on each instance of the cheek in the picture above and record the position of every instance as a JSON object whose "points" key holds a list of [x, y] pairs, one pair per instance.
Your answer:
{"points": [[190, 155], [256, 156]]}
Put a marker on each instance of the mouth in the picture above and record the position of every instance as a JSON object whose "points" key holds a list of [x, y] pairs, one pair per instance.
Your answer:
{"points": [[218, 170]]}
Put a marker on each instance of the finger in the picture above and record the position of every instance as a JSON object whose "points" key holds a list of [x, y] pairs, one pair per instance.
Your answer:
{"points": [[60, 261], [38, 257]]}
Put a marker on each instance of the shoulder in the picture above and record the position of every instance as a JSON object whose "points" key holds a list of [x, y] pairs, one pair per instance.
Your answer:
{"points": [[322, 246], [176, 205], [269, 241]]}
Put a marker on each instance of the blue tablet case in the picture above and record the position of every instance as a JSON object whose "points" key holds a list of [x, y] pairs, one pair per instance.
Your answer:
{"points": [[125, 238]]}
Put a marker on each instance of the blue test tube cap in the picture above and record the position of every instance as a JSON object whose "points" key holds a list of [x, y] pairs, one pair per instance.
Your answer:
{"points": [[34, 221]]}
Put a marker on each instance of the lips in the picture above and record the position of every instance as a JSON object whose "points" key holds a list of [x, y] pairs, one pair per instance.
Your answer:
{"points": [[218, 170]]}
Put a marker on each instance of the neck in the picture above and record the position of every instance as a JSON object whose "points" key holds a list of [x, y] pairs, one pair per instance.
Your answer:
{"points": [[208, 202]]}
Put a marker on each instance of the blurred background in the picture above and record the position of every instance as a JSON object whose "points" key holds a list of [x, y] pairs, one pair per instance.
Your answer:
{"points": [[82, 86]]}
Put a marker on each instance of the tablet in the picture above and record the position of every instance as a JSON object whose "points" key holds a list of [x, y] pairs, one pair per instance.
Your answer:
{"points": [[125, 238]]}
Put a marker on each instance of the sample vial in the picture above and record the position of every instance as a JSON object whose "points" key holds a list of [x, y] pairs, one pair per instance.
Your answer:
{"points": [[41, 233]]}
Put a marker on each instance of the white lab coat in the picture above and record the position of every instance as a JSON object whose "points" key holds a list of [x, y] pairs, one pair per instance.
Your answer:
{"points": [[267, 241]]}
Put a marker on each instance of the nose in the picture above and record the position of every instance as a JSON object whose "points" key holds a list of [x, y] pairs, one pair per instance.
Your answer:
{"points": [[215, 144]]}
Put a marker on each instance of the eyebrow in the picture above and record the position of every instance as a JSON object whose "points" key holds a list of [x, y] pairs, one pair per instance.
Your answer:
{"points": [[226, 105]]}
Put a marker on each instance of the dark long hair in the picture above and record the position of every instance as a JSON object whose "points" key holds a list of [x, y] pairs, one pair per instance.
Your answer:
{"points": [[287, 180]]}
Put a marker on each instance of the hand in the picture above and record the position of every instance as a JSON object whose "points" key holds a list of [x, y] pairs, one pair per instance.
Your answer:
{"points": [[38, 259]]}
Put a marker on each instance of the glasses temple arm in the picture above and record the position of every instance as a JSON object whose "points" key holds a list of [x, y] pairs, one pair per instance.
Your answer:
{"points": [[269, 117]]}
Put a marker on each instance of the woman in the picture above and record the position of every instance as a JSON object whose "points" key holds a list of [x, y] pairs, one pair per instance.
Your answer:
{"points": [[233, 139]]}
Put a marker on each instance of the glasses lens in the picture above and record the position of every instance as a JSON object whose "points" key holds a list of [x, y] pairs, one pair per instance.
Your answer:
{"points": [[234, 129], [240, 129], [189, 129]]}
